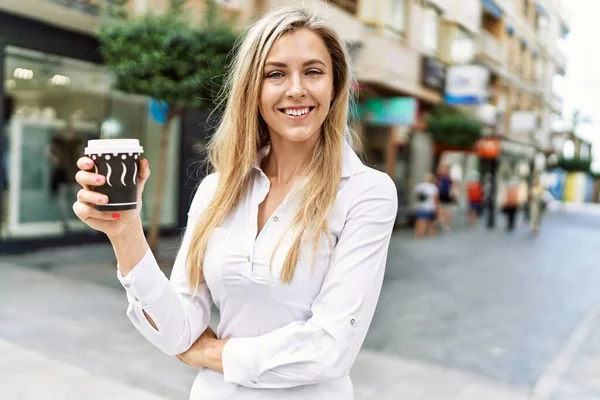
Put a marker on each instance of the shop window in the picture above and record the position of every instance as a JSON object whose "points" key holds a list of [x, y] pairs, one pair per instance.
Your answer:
{"points": [[57, 104]]}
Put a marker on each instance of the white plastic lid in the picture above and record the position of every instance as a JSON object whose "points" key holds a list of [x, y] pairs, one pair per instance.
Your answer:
{"points": [[101, 146]]}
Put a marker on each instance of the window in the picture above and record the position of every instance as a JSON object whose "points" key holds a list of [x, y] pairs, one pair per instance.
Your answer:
{"points": [[56, 105], [463, 47], [431, 29], [389, 15], [526, 8], [396, 15]]}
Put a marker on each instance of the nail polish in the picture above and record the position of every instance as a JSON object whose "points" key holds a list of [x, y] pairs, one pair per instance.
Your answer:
{"points": [[99, 179], [116, 216]]}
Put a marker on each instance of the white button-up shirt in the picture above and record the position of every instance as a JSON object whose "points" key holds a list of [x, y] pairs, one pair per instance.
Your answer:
{"points": [[288, 341]]}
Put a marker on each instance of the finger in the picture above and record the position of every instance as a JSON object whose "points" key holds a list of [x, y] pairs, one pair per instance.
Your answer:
{"points": [[91, 197], [85, 211], [85, 178], [85, 164], [144, 174]]}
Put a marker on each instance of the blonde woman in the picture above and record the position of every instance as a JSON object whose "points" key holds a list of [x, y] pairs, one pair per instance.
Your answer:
{"points": [[288, 237]]}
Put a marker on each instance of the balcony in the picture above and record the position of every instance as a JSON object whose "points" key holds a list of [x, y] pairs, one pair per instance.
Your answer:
{"points": [[393, 66], [489, 49], [91, 7], [557, 103], [57, 13], [561, 61]]}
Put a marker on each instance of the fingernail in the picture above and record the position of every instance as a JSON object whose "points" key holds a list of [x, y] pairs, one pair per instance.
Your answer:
{"points": [[99, 179], [146, 164], [116, 216], [101, 200]]}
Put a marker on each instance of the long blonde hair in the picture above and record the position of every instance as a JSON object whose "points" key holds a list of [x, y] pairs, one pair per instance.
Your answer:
{"points": [[242, 133]]}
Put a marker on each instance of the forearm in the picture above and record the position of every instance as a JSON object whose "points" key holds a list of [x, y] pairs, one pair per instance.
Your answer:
{"points": [[130, 247]]}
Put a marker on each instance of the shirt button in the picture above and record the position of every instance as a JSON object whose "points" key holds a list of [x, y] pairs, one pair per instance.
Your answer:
{"points": [[248, 258], [352, 321], [276, 218], [136, 299], [254, 382]]}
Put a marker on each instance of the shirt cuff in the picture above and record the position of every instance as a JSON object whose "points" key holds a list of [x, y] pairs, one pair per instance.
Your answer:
{"points": [[239, 361], [145, 282]]}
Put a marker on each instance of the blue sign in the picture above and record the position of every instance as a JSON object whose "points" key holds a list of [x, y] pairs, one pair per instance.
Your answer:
{"points": [[389, 111], [159, 110]]}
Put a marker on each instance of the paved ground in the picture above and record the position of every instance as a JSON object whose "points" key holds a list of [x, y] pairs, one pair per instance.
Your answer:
{"points": [[467, 315]]}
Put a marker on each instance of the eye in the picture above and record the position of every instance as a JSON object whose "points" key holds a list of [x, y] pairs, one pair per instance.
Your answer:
{"points": [[314, 72], [275, 75]]}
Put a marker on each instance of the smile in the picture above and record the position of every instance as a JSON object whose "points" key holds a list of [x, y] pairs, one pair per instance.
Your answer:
{"points": [[296, 112]]}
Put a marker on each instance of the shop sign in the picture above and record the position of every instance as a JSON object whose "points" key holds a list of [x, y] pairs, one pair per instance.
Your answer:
{"points": [[467, 85], [433, 74], [389, 111]]}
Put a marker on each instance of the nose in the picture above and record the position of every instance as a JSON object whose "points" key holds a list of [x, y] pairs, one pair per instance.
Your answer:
{"points": [[296, 87]]}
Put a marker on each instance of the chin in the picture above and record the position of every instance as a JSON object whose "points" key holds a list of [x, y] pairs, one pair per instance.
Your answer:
{"points": [[298, 136]]}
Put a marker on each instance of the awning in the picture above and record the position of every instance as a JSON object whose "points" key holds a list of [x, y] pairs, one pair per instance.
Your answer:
{"points": [[491, 7], [540, 9]]}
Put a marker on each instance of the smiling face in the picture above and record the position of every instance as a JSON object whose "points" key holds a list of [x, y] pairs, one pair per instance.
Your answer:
{"points": [[297, 88]]}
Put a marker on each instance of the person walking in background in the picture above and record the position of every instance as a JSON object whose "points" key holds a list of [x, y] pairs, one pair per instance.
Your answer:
{"points": [[510, 204], [475, 199], [447, 197], [288, 237], [536, 204], [426, 207]]}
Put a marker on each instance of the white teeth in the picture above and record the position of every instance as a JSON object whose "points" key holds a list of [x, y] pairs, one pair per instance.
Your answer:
{"points": [[297, 112]]}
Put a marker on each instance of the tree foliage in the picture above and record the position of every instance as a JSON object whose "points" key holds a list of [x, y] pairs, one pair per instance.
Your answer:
{"points": [[453, 127], [162, 56]]}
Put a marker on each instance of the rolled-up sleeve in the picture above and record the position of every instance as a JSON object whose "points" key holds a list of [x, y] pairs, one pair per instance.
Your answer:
{"points": [[326, 346], [180, 315]]}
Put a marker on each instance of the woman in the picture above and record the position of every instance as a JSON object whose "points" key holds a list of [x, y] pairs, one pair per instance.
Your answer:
{"points": [[288, 237], [536, 205], [427, 206], [475, 196]]}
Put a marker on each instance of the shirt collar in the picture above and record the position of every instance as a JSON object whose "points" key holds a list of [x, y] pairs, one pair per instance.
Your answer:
{"points": [[351, 164]]}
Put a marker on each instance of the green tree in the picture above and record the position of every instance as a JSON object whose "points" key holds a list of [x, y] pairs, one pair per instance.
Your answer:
{"points": [[164, 57], [453, 128]]}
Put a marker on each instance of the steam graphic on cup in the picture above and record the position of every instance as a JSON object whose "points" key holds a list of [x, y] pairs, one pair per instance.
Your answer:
{"points": [[118, 160]]}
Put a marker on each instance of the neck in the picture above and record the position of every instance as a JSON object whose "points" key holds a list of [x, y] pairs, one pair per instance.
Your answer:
{"points": [[287, 160]]}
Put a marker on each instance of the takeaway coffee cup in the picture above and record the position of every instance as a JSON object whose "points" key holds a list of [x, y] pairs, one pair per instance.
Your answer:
{"points": [[119, 161]]}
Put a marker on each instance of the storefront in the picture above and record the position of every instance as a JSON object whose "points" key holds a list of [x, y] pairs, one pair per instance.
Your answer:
{"points": [[57, 96]]}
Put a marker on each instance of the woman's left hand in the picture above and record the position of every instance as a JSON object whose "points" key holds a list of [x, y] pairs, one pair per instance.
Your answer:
{"points": [[206, 352]]}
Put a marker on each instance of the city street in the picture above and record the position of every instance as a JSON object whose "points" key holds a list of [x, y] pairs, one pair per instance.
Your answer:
{"points": [[470, 315]]}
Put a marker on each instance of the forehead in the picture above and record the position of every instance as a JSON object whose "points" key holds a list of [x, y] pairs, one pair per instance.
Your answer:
{"points": [[299, 46]]}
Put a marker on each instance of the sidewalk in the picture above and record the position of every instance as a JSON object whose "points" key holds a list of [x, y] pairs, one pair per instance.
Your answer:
{"points": [[63, 324]]}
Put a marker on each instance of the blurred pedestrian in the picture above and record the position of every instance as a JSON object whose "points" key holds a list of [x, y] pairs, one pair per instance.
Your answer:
{"points": [[447, 197], [427, 206], [536, 204], [475, 198], [288, 237], [510, 204]]}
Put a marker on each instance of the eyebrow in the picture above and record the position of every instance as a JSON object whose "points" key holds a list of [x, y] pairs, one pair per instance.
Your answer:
{"points": [[284, 65]]}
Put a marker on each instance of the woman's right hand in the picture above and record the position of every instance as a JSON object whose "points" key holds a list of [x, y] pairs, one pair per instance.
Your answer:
{"points": [[110, 222]]}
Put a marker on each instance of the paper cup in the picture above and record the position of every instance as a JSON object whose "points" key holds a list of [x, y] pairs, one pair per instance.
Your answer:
{"points": [[119, 161]]}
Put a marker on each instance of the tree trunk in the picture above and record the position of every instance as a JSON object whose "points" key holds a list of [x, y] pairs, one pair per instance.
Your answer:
{"points": [[160, 185]]}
